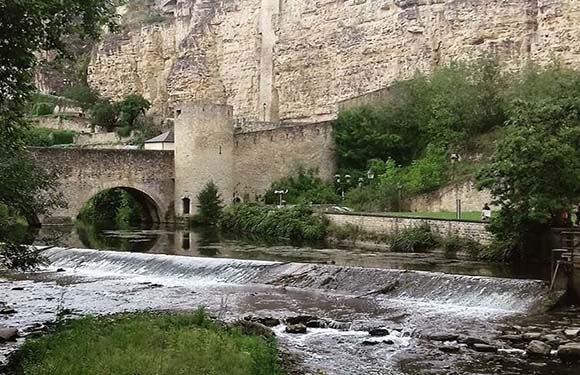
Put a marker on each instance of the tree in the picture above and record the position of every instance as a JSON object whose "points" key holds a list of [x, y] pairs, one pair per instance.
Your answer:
{"points": [[210, 205], [534, 172], [131, 108], [104, 114], [27, 27]]}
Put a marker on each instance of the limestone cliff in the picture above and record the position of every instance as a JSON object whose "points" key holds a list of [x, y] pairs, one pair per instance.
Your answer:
{"points": [[295, 59]]}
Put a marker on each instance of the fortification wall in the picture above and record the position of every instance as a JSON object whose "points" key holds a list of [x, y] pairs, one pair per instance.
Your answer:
{"points": [[263, 157], [295, 59], [86, 172], [382, 224], [444, 199]]}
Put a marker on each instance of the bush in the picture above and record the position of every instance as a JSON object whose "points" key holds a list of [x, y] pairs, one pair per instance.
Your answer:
{"points": [[413, 240], [21, 257], [43, 109], [44, 137], [303, 188], [210, 207], [104, 114], [83, 94], [295, 223]]}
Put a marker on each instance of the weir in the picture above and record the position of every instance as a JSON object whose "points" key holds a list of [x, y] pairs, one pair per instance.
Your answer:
{"points": [[509, 295]]}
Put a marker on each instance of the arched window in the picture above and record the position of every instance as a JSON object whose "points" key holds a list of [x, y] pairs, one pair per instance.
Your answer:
{"points": [[186, 204]]}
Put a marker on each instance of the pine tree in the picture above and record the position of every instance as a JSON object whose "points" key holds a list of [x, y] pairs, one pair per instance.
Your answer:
{"points": [[210, 205]]}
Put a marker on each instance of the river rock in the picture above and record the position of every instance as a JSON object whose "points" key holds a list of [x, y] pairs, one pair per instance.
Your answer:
{"points": [[552, 339], [60, 270], [7, 310], [450, 348], [8, 334], [267, 321], [470, 340], [569, 352], [296, 328], [512, 338], [484, 348], [316, 323], [572, 333], [253, 328], [370, 343], [341, 326], [378, 332], [537, 348], [529, 336], [443, 337], [300, 319]]}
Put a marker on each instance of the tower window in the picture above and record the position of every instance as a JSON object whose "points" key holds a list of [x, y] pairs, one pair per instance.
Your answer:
{"points": [[186, 205]]}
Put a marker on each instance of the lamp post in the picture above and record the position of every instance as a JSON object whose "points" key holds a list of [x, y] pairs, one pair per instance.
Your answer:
{"points": [[342, 182], [280, 194], [455, 158]]}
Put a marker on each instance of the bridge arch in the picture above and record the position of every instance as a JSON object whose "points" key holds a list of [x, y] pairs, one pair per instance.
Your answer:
{"points": [[153, 211]]}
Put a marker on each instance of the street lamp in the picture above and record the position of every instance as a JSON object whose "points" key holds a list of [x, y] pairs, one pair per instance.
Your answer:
{"points": [[456, 158], [342, 183], [280, 194]]}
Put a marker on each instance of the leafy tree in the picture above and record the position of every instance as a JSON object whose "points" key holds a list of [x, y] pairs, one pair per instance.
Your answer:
{"points": [[534, 172], [26, 27], [83, 94], [104, 114], [210, 205], [131, 108], [304, 187]]}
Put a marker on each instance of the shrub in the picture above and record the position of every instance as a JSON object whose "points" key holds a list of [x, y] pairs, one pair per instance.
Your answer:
{"points": [[83, 94], [297, 223], [43, 109], [104, 114], [413, 240], [305, 187], [44, 137], [210, 207]]}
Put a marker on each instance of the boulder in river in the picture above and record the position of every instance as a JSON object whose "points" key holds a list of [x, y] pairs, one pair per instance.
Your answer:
{"points": [[253, 328], [569, 352], [484, 348], [300, 319], [529, 336], [315, 323], [572, 333], [538, 348], [511, 338], [443, 337], [450, 348], [296, 328], [267, 321], [8, 334], [378, 332]]}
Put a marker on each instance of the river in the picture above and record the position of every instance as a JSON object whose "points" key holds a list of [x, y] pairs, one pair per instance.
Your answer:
{"points": [[350, 291]]}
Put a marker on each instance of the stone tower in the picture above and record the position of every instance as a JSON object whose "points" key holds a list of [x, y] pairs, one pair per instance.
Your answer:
{"points": [[204, 148]]}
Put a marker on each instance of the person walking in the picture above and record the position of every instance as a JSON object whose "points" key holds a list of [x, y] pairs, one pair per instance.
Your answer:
{"points": [[486, 213]]}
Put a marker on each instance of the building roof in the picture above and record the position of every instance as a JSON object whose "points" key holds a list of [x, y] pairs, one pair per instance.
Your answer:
{"points": [[166, 137]]}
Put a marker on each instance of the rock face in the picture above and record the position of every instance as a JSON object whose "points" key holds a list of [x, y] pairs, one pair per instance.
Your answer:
{"points": [[279, 59]]}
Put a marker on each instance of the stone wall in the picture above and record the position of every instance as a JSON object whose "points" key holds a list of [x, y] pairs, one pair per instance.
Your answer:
{"points": [[382, 224], [444, 199], [265, 156], [77, 124], [296, 59], [86, 172]]}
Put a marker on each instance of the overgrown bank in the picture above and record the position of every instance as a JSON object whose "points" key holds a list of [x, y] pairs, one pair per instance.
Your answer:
{"points": [[147, 343]]}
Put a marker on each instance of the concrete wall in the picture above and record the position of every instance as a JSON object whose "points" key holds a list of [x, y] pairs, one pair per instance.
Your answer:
{"points": [[86, 172], [204, 152], [265, 156], [381, 224]]}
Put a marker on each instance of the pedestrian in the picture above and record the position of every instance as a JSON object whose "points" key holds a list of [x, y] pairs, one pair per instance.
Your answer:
{"points": [[486, 213]]}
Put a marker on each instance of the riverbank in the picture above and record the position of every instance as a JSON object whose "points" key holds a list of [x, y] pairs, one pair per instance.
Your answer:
{"points": [[147, 343]]}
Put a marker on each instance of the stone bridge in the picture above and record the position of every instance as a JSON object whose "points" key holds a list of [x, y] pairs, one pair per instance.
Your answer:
{"points": [[147, 175]]}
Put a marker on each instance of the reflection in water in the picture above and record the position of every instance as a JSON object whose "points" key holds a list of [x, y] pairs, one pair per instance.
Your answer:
{"points": [[210, 243]]}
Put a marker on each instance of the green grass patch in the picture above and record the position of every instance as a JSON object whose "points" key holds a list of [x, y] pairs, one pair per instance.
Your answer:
{"points": [[469, 215], [147, 343]]}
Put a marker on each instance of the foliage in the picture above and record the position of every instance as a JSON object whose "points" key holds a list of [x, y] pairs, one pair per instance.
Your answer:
{"points": [[534, 172], [304, 187], [454, 244], [147, 343], [210, 207], [130, 108], [445, 109], [21, 257], [413, 240], [296, 223], [43, 109], [44, 137], [112, 208], [82, 94], [104, 114]]}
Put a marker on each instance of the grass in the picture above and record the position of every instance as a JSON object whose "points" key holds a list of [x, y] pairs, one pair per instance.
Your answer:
{"points": [[144, 344], [470, 215]]}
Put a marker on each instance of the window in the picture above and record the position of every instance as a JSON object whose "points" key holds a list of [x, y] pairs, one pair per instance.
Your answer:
{"points": [[186, 205]]}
